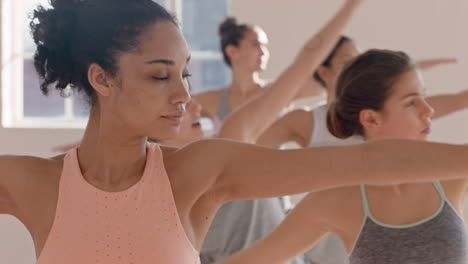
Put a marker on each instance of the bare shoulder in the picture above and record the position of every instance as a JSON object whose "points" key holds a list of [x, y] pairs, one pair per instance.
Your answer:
{"points": [[334, 204], [196, 154], [26, 178], [15, 166], [201, 162], [194, 171], [17, 171]]}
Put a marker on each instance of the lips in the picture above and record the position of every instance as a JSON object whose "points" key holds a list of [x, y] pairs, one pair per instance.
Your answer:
{"points": [[176, 117]]}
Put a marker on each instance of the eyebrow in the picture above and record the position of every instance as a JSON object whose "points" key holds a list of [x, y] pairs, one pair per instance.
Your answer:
{"points": [[410, 95], [165, 61]]}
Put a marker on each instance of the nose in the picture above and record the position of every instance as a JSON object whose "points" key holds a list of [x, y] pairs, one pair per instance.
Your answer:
{"points": [[180, 93], [427, 112]]}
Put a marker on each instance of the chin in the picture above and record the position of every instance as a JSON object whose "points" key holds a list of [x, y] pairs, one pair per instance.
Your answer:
{"points": [[169, 134], [257, 68]]}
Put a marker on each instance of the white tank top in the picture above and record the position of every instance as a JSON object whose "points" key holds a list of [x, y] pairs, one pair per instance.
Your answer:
{"points": [[330, 250], [322, 137]]}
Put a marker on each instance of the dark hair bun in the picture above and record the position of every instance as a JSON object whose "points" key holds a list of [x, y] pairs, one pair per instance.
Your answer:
{"points": [[52, 30], [338, 126], [228, 25]]}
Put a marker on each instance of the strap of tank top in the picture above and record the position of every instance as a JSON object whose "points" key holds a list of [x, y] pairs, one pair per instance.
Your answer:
{"points": [[440, 190], [223, 107], [365, 202]]}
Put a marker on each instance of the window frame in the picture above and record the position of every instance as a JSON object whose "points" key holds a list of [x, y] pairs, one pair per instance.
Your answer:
{"points": [[12, 59]]}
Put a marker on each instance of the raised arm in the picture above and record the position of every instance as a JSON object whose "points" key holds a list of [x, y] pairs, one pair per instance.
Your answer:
{"points": [[246, 171], [249, 121], [445, 104]]}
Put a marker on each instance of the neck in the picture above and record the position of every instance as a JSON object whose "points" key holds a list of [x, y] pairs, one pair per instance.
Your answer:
{"points": [[330, 94], [244, 82], [109, 158]]}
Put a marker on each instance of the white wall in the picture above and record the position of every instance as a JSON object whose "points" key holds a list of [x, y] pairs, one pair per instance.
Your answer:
{"points": [[423, 28]]}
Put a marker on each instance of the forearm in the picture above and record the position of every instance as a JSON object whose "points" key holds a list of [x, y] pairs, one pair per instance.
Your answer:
{"points": [[448, 103], [252, 172], [395, 161]]}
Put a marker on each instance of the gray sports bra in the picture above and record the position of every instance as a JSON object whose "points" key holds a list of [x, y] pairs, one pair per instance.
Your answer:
{"points": [[439, 239]]}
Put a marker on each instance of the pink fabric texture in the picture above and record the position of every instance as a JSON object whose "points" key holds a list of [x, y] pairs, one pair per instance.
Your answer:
{"points": [[139, 225]]}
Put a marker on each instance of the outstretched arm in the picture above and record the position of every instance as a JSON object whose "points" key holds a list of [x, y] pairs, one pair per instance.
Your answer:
{"points": [[249, 121], [445, 104], [245, 171]]}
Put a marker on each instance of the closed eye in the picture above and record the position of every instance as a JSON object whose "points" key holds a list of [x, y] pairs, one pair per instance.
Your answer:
{"points": [[160, 78]]}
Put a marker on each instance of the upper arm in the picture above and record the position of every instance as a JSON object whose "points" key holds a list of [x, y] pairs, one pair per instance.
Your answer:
{"points": [[294, 126], [304, 226], [6, 201], [23, 179], [10, 180]]}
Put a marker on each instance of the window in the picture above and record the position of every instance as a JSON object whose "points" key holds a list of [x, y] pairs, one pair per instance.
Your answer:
{"points": [[200, 20], [23, 104]]}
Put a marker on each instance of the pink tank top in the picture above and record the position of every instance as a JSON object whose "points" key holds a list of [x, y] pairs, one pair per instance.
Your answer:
{"points": [[137, 226]]}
